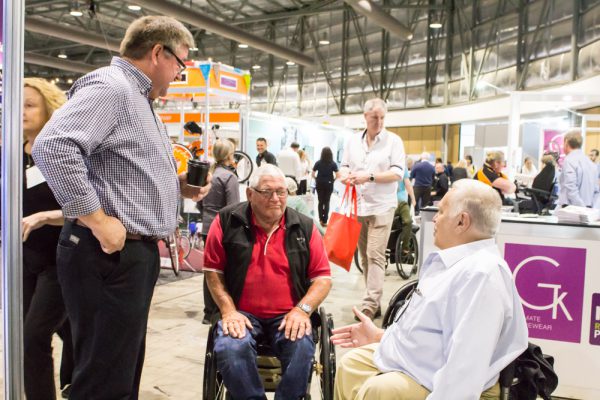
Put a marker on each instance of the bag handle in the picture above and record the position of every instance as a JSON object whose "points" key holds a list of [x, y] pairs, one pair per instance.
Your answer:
{"points": [[350, 197]]}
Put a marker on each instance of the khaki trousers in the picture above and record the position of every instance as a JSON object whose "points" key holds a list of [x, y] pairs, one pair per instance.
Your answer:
{"points": [[358, 378], [372, 242]]}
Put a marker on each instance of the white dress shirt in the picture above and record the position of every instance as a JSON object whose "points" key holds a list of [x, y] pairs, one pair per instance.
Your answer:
{"points": [[463, 325], [289, 162], [386, 154]]}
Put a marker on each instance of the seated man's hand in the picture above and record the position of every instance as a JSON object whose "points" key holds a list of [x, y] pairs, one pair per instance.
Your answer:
{"points": [[357, 335], [234, 324], [296, 324]]}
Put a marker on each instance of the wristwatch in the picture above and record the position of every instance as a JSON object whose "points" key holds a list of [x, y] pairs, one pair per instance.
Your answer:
{"points": [[372, 178], [304, 307]]}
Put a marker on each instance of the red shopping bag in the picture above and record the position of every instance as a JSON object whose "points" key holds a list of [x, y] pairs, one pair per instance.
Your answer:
{"points": [[343, 230]]}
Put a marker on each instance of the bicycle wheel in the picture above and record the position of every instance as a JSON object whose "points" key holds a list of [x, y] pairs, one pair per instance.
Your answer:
{"points": [[406, 262], [185, 245], [357, 261], [243, 165]]}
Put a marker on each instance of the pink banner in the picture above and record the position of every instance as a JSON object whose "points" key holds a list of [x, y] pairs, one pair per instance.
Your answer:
{"points": [[554, 143]]}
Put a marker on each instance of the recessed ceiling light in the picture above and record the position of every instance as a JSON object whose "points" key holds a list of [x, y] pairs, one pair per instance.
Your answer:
{"points": [[62, 55], [134, 7], [243, 46], [290, 63], [256, 66], [435, 25], [75, 13]]}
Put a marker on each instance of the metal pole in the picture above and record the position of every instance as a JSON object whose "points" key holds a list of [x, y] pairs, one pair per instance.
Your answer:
{"points": [[12, 184]]}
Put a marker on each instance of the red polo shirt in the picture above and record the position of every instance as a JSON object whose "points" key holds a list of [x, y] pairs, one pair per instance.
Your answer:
{"points": [[268, 291]]}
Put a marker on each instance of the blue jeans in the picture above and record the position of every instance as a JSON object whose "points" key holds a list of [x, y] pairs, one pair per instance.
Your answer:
{"points": [[236, 360]]}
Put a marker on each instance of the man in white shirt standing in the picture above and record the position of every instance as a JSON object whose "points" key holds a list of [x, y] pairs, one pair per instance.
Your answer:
{"points": [[288, 161], [375, 162], [463, 324]]}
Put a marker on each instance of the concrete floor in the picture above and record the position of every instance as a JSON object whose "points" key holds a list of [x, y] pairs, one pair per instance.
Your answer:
{"points": [[176, 338]]}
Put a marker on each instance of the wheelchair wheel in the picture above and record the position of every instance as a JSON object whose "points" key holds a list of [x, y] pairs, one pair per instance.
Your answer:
{"points": [[326, 356], [243, 165], [406, 263], [357, 261], [397, 301], [213, 387]]}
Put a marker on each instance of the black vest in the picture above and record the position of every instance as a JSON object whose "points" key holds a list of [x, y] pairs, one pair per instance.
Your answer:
{"points": [[238, 242]]}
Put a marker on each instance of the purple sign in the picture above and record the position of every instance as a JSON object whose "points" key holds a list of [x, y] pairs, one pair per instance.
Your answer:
{"points": [[550, 282], [229, 83], [595, 320]]}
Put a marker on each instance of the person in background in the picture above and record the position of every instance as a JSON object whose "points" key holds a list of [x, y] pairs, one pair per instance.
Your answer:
{"points": [[305, 165], [224, 191], [402, 215], [471, 170], [449, 170], [546, 179], [325, 172], [491, 174], [579, 176], [409, 164], [440, 183], [434, 349], [43, 305], [422, 173], [107, 158], [374, 161], [263, 153], [528, 168], [298, 203], [460, 171], [288, 161], [596, 160]]}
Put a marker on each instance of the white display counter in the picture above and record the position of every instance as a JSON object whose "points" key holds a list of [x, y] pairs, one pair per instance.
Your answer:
{"points": [[556, 271]]}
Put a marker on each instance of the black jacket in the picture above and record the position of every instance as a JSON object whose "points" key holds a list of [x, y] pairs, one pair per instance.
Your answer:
{"points": [[238, 242]]}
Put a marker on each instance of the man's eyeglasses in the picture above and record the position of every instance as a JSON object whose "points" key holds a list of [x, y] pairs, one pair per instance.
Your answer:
{"points": [[182, 65], [267, 194]]}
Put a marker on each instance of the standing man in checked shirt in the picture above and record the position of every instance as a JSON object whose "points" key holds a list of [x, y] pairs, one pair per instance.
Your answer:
{"points": [[375, 162], [107, 157]]}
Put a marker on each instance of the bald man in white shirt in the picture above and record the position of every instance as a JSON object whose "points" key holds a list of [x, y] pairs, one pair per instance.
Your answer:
{"points": [[463, 324], [374, 162]]}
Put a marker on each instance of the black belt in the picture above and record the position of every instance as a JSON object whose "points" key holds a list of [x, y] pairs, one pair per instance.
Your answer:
{"points": [[130, 236]]}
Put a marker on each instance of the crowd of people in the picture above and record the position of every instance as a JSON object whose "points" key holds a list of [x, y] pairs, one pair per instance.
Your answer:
{"points": [[91, 261]]}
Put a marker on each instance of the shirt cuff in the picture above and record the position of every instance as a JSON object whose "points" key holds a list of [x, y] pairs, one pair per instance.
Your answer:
{"points": [[397, 170], [218, 271], [82, 206]]}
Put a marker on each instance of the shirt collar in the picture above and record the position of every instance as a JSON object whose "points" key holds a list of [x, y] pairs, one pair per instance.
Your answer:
{"points": [[455, 254], [257, 227], [380, 136], [141, 80]]}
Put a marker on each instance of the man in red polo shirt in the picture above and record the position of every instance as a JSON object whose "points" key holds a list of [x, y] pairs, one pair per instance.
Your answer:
{"points": [[267, 271]]}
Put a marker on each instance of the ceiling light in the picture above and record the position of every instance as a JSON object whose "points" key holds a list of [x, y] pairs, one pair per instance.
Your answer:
{"points": [[256, 66], [290, 63], [193, 49], [75, 12], [62, 55], [435, 25], [134, 7], [324, 41], [69, 81], [243, 46]]}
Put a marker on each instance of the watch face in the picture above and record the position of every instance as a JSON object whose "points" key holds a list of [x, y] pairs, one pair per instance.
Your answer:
{"points": [[305, 307]]}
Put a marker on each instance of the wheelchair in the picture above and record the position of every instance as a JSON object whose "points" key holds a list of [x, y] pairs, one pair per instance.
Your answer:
{"points": [[406, 263], [269, 368], [508, 376]]}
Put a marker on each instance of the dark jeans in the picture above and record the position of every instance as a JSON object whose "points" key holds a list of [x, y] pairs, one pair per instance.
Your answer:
{"points": [[324, 190], [236, 360], [44, 314], [422, 197], [107, 297], [404, 222]]}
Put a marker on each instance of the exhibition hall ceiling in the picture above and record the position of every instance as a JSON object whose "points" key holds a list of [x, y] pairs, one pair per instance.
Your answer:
{"points": [[315, 57]]}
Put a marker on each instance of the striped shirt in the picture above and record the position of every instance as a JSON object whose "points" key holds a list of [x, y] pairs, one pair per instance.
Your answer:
{"points": [[106, 148]]}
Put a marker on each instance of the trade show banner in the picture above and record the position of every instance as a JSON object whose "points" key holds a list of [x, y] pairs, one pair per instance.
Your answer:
{"points": [[550, 281], [554, 142], [595, 320]]}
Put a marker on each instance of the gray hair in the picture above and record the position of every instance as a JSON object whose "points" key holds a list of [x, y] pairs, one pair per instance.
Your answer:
{"points": [[425, 155], [375, 103], [480, 201], [145, 32], [265, 170]]}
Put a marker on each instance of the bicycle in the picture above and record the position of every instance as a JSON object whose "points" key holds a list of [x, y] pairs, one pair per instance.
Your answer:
{"points": [[406, 264]]}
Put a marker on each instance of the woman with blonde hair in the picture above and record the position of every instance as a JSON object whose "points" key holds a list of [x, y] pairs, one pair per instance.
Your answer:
{"points": [[225, 190], [43, 305]]}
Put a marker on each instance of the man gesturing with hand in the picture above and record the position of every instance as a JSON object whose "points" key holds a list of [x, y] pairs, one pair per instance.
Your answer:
{"points": [[267, 271]]}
